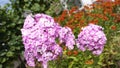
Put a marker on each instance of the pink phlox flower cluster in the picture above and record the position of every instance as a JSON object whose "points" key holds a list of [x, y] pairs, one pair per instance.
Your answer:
{"points": [[92, 38], [67, 37], [39, 34]]}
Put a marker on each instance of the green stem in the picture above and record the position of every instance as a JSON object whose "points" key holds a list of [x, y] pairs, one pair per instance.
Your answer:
{"points": [[71, 64]]}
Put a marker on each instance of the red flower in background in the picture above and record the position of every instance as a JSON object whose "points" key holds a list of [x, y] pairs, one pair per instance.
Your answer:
{"points": [[113, 27]]}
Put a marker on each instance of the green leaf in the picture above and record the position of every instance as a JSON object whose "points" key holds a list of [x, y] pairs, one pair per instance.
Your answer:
{"points": [[36, 7], [3, 60], [25, 0], [3, 53], [43, 7], [74, 58], [9, 54], [1, 66], [17, 48], [12, 48], [100, 63]]}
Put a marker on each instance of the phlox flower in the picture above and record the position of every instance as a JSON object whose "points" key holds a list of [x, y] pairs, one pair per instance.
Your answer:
{"points": [[91, 38]]}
